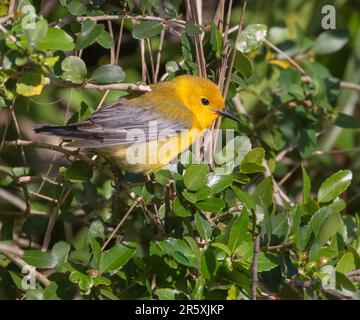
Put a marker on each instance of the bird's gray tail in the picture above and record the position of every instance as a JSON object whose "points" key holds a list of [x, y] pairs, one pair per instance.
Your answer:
{"points": [[62, 131]]}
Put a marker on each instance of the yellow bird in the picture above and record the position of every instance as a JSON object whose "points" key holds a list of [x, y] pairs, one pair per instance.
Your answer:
{"points": [[146, 132]]}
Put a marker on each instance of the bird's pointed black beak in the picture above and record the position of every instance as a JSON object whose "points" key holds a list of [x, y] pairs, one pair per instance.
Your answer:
{"points": [[226, 113]]}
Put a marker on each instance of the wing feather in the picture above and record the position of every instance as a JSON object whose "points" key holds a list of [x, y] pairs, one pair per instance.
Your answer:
{"points": [[125, 123]]}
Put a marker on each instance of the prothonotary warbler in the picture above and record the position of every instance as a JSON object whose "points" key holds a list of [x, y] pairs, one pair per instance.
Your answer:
{"points": [[145, 132]]}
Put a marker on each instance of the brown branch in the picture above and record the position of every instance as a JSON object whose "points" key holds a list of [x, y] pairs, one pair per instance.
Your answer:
{"points": [[121, 17], [14, 200], [158, 58], [74, 153], [118, 45], [254, 265], [101, 87], [14, 254]]}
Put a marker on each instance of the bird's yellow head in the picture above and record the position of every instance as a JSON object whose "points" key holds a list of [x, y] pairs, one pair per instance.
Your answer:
{"points": [[201, 96]]}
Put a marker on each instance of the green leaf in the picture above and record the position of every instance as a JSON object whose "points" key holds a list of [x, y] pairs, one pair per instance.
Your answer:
{"points": [[202, 194], [245, 198], [251, 38], [50, 292], [56, 39], [252, 162], [179, 209], [195, 249], [60, 251], [169, 294], [331, 41], [208, 264], [90, 31], [84, 281], [179, 250], [290, 82], [307, 142], [76, 8], [215, 40], [79, 170], [243, 65], [17, 280], [108, 73], [195, 176], [267, 261], [346, 263], [345, 121], [203, 226], [147, 29], [105, 40], [35, 35], [74, 69], [39, 259], [238, 230], [218, 183], [306, 185], [30, 84], [116, 257], [334, 185], [329, 227], [211, 205], [222, 246], [191, 29], [263, 195]]}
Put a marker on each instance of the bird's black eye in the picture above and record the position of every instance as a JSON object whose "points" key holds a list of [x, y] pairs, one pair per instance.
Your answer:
{"points": [[205, 101]]}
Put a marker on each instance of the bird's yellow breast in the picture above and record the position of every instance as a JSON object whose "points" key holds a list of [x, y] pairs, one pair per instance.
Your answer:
{"points": [[147, 157]]}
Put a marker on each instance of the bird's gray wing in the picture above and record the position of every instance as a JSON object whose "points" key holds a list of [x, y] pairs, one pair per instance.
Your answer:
{"points": [[123, 123]]}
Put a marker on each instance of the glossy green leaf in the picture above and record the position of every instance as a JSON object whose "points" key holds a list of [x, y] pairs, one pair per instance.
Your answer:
{"points": [[179, 209], [211, 205], [251, 38], [243, 65], [195, 176], [76, 8], [56, 39], [334, 185], [74, 69], [147, 29], [90, 31], [116, 257], [108, 74], [203, 226], [238, 230], [346, 263], [39, 259], [105, 40]]}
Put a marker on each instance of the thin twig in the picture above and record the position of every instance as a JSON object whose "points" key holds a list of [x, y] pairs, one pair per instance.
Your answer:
{"points": [[254, 268], [158, 58], [14, 200], [120, 223], [112, 49], [119, 42], [285, 55], [9, 253], [102, 87], [76, 154]]}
